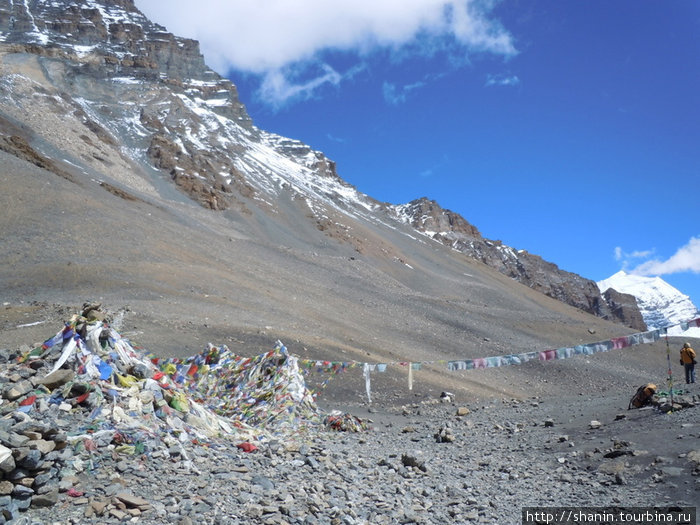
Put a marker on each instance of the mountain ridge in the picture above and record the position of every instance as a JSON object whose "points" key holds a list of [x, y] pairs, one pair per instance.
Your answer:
{"points": [[451, 229]]}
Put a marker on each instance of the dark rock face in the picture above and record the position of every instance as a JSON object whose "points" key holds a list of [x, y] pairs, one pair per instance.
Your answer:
{"points": [[531, 270], [624, 308], [428, 216], [116, 39], [122, 38], [107, 54]]}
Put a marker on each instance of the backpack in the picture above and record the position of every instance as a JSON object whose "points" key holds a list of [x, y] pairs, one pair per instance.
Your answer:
{"points": [[690, 353], [642, 396]]}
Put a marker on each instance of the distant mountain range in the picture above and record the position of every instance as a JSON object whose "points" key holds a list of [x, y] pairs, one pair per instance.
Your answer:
{"points": [[661, 304]]}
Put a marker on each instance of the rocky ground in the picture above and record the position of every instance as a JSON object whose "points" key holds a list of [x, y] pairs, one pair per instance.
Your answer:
{"points": [[421, 459], [497, 458]]}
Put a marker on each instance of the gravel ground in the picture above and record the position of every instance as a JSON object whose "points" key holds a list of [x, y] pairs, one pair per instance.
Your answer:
{"points": [[505, 455]]}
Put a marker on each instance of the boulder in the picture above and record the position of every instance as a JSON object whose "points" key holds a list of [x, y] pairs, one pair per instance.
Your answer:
{"points": [[14, 391], [7, 461], [58, 378]]}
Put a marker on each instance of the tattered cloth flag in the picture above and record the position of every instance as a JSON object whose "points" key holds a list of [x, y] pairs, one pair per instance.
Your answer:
{"points": [[212, 394], [265, 391]]}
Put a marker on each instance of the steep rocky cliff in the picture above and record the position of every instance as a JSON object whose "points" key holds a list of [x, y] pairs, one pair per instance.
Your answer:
{"points": [[624, 308], [125, 77]]}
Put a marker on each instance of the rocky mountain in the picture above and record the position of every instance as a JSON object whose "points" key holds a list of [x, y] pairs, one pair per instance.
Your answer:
{"points": [[451, 229], [661, 304], [132, 174], [146, 101], [624, 306]]}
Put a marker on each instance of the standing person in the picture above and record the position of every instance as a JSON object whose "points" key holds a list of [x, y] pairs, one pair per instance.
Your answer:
{"points": [[688, 361]]}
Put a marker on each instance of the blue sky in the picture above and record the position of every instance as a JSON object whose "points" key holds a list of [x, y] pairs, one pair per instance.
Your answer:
{"points": [[567, 128]]}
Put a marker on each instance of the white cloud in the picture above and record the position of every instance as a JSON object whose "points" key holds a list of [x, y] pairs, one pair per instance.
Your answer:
{"points": [[269, 37], [435, 168], [393, 95], [500, 80], [619, 254], [626, 257], [396, 95], [277, 87], [333, 138], [686, 259]]}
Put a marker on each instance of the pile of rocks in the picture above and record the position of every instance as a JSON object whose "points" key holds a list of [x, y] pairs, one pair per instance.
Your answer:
{"points": [[666, 403], [50, 432], [85, 403], [31, 454]]}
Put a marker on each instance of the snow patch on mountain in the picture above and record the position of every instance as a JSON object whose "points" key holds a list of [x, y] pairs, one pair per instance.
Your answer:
{"points": [[660, 303]]}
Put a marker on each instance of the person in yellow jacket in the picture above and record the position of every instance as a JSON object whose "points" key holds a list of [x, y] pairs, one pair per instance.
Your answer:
{"points": [[688, 361]]}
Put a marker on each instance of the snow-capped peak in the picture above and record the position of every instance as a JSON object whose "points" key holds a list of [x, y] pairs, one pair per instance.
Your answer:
{"points": [[660, 303]]}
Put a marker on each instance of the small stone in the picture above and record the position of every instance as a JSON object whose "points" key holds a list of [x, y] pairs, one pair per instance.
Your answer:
{"points": [[32, 435], [42, 479], [16, 390], [31, 460], [254, 511], [444, 435], [132, 501], [120, 515], [22, 502], [58, 378], [472, 515], [594, 424], [15, 440], [22, 491], [5, 501], [262, 481], [65, 484], [46, 487], [36, 364], [409, 460], [463, 411], [45, 500], [27, 482], [42, 445], [95, 315], [548, 422], [98, 506], [7, 462]]}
